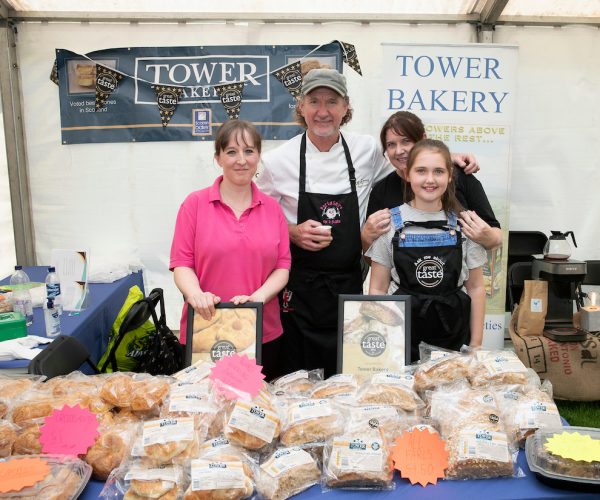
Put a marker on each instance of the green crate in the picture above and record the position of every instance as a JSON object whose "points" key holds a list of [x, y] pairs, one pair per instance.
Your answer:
{"points": [[12, 326]]}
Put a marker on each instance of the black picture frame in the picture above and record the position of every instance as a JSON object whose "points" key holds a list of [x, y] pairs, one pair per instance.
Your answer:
{"points": [[369, 327], [212, 355]]}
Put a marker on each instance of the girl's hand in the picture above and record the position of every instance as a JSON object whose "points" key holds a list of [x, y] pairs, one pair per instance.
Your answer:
{"points": [[204, 304]]}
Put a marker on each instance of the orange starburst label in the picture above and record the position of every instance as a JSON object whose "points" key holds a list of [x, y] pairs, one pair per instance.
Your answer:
{"points": [[421, 456], [19, 473]]}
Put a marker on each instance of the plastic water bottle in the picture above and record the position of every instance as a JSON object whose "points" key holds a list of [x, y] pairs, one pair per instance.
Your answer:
{"points": [[53, 288], [21, 297], [52, 319]]}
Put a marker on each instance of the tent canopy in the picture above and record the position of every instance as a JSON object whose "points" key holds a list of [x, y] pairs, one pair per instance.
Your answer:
{"points": [[549, 12]]}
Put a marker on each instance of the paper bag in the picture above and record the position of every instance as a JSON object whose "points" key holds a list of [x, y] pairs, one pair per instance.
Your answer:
{"points": [[532, 308]]}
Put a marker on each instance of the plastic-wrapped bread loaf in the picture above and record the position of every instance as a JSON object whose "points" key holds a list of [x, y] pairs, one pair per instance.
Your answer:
{"points": [[440, 369], [310, 421], [498, 367], [287, 472], [527, 408], [479, 449], [335, 385], [395, 389], [358, 460], [475, 435]]}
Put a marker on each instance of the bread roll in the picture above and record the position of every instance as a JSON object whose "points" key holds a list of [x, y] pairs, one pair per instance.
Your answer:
{"points": [[8, 435], [107, 453], [117, 390]]}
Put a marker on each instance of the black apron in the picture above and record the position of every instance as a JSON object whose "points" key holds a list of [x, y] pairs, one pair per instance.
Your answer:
{"points": [[429, 267], [309, 303]]}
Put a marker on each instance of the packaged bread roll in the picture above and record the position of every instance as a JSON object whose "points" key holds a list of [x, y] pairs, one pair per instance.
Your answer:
{"points": [[196, 401], [111, 447], [139, 482], [66, 478], [168, 440], [117, 389], [251, 425], [8, 435], [219, 480], [27, 441]]}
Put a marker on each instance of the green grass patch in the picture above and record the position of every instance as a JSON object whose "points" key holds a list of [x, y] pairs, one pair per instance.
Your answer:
{"points": [[580, 413]]}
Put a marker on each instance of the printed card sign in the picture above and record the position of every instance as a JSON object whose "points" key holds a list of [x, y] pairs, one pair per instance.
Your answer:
{"points": [[373, 334]]}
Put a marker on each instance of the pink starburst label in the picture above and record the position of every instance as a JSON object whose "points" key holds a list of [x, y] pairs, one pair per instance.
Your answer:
{"points": [[69, 431], [237, 376]]}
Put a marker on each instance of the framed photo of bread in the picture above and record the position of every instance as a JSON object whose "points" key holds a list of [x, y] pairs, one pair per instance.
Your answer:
{"points": [[233, 329], [373, 334]]}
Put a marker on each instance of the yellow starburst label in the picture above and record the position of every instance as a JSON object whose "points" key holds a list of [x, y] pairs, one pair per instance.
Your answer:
{"points": [[574, 446]]}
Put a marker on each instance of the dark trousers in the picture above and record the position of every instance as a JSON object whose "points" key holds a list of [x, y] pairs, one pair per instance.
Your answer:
{"points": [[271, 359]]}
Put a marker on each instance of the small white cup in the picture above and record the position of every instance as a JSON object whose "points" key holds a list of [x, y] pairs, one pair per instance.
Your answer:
{"points": [[325, 229]]}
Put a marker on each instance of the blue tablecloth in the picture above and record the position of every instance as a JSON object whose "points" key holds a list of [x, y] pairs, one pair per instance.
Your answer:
{"points": [[92, 325], [527, 487]]}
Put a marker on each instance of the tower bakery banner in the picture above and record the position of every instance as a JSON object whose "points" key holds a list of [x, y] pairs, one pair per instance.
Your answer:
{"points": [[183, 93], [465, 95]]}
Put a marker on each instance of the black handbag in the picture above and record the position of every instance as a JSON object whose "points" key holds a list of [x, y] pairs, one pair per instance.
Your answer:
{"points": [[161, 354], [164, 354]]}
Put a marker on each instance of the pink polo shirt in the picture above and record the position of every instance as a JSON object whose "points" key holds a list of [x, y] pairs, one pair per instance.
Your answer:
{"points": [[230, 256]]}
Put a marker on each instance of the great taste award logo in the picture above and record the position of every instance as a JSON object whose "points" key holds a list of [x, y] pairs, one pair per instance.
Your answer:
{"points": [[429, 271], [231, 98], [167, 99], [291, 78], [107, 82]]}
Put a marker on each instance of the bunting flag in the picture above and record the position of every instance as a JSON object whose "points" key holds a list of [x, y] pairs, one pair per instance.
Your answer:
{"points": [[54, 73], [291, 78], [231, 97], [167, 99], [350, 57], [107, 81]]}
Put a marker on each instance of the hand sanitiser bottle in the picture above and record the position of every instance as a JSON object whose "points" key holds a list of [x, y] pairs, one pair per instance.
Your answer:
{"points": [[52, 319]]}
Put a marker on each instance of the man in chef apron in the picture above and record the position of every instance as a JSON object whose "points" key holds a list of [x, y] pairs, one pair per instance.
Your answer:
{"points": [[321, 178]]}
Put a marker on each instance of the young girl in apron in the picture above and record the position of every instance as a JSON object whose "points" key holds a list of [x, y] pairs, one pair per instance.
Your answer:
{"points": [[425, 256]]}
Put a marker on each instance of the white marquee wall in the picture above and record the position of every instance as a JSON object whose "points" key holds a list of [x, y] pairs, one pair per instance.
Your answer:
{"points": [[120, 200]]}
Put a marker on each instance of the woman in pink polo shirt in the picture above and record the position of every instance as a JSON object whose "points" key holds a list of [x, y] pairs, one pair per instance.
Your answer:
{"points": [[231, 241]]}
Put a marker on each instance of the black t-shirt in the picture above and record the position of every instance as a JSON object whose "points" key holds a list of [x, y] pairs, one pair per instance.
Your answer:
{"points": [[389, 193]]}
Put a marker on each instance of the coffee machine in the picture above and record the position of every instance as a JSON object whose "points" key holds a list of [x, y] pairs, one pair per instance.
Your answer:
{"points": [[564, 277]]}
